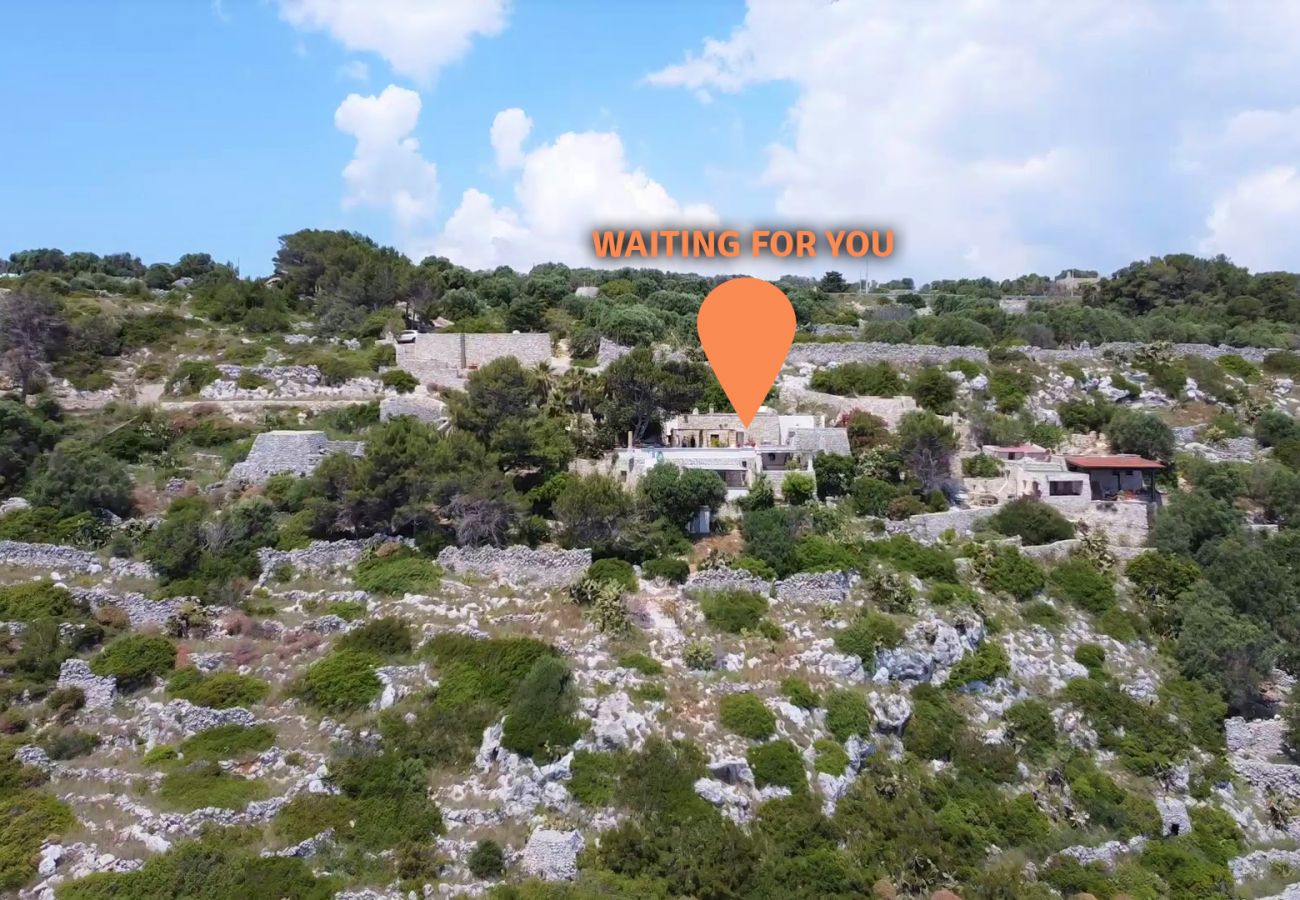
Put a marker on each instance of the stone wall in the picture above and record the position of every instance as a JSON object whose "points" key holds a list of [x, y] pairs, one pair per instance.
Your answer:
{"points": [[928, 527], [139, 609], [890, 409], [57, 558], [546, 567], [921, 354], [815, 587], [421, 406], [1126, 523], [99, 691], [320, 557], [441, 358], [727, 579]]}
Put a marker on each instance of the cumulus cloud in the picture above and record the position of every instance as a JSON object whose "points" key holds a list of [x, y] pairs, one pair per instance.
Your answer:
{"points": [[416, 37], [997, 136], [510, 129], [387, 170], [564, 189], [1256, 221]]}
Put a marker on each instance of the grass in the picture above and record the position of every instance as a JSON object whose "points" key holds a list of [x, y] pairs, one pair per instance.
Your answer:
{"points": [[204, 784]]}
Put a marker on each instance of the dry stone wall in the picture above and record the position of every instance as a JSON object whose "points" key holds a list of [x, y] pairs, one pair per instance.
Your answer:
{"points": [[57, 558], [547, 567], [321, 557], [921, 354]]}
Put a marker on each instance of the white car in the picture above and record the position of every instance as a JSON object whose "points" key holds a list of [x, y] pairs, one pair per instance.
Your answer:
{"points": [[407, 337]]}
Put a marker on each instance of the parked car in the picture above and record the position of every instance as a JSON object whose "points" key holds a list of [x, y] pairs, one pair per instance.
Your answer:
{"points": [[407, 337]]}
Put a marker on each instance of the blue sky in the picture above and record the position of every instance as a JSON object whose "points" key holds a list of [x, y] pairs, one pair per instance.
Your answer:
{"points": [[996, 137]]}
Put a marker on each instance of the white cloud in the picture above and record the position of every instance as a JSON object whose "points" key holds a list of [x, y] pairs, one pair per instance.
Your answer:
{"points": [[355, 70], [416, 37], [510, 129], [564, 189], [998, 136], [1257, 220], [387, 170]]}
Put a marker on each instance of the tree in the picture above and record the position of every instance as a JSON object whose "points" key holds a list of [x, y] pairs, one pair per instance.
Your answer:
{"points": [[834, 474], [1192, 520], [797, 488], [633, 393], [591, 510], [502, 391], [927, 443], [78, 478], [866, 431], [934, 390], [1033, 520], [1134, 431], [540, 720], [32, 329], [667, 492], [1226, 649], [482, 520], [833, 283], [24, 436]]}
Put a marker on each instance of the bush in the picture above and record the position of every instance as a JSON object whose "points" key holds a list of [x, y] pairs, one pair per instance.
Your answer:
{"points": [[595, 776], [1040, 613], [1077, 582], [1030, 727], [935, 725], [1091, 656], [613, 571], [869, 633], [858, 379], [699, 655], [401, 572], [1235, 364], [641, 663], [778, 763], [204, 784], [39, 600], [733, 611], [27, 818], [847, 714], [400, 380], [981, 465], [1006, 571], [1032, 520], [798, 692], [382, 637], [1133, 431], [746, 715], [67, 743], [872, 496], [341, 682], [191, 377], [831, 757], [987, 662], [540, 720], [221, 690], [487, 860], [670, 569], [797, 488], [227, 742], [135, 659], [1282, 362]]}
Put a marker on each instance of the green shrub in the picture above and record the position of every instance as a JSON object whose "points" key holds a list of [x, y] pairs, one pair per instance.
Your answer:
{"points": [[981, 465], [858, 379], [395, 573], [1030, 727], [944, 594], [613, 571], [847, 714], [1041, 613], [191, 377], [348, 610], [869, 633], [778, 763], [227, 742], [746, 715], [135, 659], [341, 682], [935, 726], [497, 665], [699, 655], [641, 663], [27, 818], [674, 571], [733, 611], [67, 743], [1033, 520], [831, 756], [798, 488], [1237, 365], [162, 754], [541, 720], [221, 690], [799, 693], [594, 777], [400, 380], [1091, 656], [1077, 582], [385, 637], [39, 600], [202, 784], [487, 860], [753, 566], [987, 662], [1008, 572], [872, 496], [1282, 362]]}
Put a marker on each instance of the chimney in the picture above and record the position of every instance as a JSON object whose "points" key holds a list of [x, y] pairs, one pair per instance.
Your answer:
{"points": [[629, 439]]}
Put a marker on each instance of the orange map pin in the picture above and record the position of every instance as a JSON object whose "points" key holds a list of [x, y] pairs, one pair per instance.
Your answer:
{"points": [[746, 327]]}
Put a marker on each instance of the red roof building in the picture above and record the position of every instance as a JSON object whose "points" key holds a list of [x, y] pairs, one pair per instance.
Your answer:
{"points": [[1124, 476]]}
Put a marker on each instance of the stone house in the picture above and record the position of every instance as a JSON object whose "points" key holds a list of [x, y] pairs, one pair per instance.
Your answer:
{"points": [[295, 452]]}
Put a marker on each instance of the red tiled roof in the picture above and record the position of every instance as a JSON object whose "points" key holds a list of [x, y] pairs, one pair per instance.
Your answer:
{"points": [[1123, 461]]}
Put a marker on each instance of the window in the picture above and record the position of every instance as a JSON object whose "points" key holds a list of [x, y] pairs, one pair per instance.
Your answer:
{"points": [[1065, 488]]}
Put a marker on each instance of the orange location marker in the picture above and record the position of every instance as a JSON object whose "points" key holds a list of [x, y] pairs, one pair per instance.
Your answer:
{"points": [[746, 327]]}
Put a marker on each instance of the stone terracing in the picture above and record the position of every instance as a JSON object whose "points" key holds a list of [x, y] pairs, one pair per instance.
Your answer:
{"points": [[139, 609], [921, 354], [320, 557], [544, 567], [100, 691], [815, 587], [294, 452], [727, 579], [57, 558]]}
